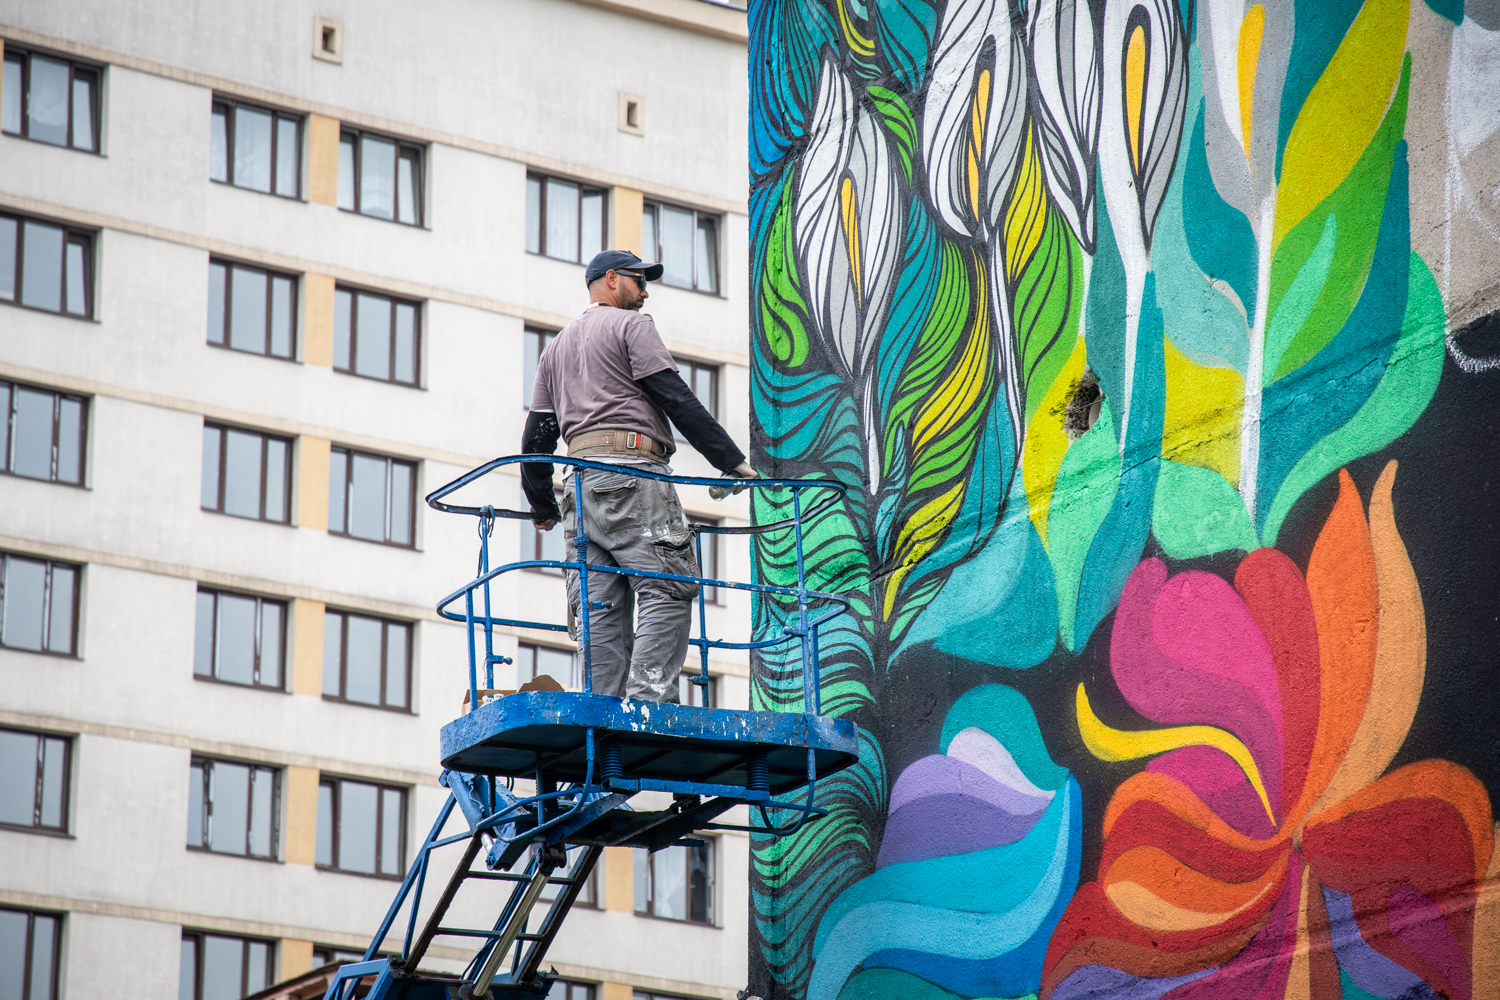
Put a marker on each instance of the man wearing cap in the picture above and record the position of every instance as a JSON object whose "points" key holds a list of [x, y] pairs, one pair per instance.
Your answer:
{"points": [[607, 384]]}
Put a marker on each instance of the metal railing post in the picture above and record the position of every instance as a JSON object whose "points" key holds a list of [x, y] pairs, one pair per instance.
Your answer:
{"points": [[702, 622], [581, 542], [486, 524]]}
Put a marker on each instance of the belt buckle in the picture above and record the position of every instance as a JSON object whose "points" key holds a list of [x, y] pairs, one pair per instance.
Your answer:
{"points": [[632, 440]]}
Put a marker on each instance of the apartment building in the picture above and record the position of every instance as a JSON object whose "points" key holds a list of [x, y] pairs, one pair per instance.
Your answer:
{"points": [[270, 273]]}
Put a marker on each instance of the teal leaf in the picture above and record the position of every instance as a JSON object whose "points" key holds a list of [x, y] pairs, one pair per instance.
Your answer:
{"points": [[1086, 485], [1297, 304], [1404, 391], [1197, 513]]}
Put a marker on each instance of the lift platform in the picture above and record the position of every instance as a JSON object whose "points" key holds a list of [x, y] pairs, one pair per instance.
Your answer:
{"points": [[586, 755]]}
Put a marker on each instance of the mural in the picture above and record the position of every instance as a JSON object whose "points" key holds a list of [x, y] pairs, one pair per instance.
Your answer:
{"points": [[1158, 341]]}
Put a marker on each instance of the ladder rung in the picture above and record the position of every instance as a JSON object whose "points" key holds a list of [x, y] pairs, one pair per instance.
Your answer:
{"points": [[466, 932], [512, 877]]}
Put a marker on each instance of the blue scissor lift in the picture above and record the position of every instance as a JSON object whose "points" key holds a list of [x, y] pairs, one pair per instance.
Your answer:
{"points": [[587, 755]]}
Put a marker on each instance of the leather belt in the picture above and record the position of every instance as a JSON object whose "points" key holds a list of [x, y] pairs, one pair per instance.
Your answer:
{"points": [[617, 442]]}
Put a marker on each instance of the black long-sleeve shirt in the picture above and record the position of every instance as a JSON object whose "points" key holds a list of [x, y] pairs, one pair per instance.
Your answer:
{"points": [[668, 391]]}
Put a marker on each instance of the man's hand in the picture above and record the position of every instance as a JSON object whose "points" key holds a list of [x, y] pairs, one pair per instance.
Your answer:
{"points": [[543, 523], [741, 471], [744, 471]]}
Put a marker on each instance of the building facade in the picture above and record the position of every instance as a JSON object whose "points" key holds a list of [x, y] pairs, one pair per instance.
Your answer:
{"points": [[268, 275], [1158, 344]]}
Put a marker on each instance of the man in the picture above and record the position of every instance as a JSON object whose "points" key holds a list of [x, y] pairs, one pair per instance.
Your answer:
{"points": [[608, 385]]}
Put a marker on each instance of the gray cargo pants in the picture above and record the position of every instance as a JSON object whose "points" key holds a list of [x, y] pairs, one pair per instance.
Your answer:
{"points": [[634, 524]]}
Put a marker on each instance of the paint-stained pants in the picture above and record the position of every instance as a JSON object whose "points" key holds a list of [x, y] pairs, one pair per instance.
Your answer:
{"points": [[634, 524]]}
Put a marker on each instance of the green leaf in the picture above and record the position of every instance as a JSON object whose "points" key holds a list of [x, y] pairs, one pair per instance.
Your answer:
{"points": [[1297, 304], [1404, 391], [783, 310], [1086, 485], [1197, 513], [898, 121], [1048, 297]]}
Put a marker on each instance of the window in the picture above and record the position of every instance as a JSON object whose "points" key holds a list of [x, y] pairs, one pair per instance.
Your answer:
{"points": [[380, 176], [676, 883], [585, 894], [327, 954], [38, 605], [704, 381], [534, 661], [216, 967], [562, 989], [361, 828], [29, 946], [534, 343], [375, 337], [33, 782], [255, 148], [232, 808], [251, 310], [687, 244], [366, 660], [371, 497], [564, 220], [239, 639], [43, 266], [246, 474], [539, 544], [689, 693], [709, 564], [50, 100], [44, 434]]}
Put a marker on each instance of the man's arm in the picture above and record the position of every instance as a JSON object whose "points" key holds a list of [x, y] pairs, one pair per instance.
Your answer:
{"points": [[540, 438], [668, 391]]}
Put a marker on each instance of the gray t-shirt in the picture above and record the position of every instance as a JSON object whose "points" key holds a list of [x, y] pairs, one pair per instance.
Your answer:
{"points": [[587, 375]]}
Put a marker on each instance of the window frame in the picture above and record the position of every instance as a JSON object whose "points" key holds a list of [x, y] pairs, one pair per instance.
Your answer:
{"points": [[48, 591], [223, 473], [385, 644], [336, 821], [277, 115], [544, 336], [584, 188], [226, 343], [9, 390], [590, 885], [260, 602], [96, 102], [198, 936], [403, 147], [713, 595], [525, 649], [586, 991], [206, 820], [345, 490], [29, 973], [65, 800], [651, 859], [653, 206], [71, 236], [533, 540], [354, 291]]}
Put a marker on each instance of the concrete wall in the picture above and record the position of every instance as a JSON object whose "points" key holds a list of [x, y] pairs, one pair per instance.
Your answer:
{"points": [[482, 87], [1200, 700]]}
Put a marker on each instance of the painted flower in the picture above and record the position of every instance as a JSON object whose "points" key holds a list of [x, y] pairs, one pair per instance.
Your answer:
{"points": [[979, 855], [1265, 851]]}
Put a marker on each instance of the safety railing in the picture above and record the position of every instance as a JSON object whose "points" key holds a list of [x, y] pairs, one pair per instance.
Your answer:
{"points": [[813, 607]]}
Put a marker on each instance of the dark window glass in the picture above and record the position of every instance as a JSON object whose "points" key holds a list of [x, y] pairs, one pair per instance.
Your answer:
{"points": [[246, 474], [43, 434], [255, 148], [50, 100], [687, 244], [251, 310], [375, 336], [380, 176], [371, 497], [33, 780], [43, 266], [564, 220], [38, 604], [29, 945], [217, 967], [534, 661], [361, 828], [533, 343], [232, 808], [366, 660], [676, 883], [239, 639]]}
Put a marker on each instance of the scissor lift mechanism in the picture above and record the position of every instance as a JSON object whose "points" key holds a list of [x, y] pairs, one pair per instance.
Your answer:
{"points": [[588, 754]]}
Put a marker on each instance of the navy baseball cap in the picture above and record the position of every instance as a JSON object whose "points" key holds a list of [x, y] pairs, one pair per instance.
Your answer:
{"points": [[619, 260]]}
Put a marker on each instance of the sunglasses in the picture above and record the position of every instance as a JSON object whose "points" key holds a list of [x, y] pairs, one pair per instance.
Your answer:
{"points": [[640, 279]]}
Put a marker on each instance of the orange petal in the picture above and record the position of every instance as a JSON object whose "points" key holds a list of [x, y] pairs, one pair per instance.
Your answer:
{"points": [[1400, 656], [1158, 891], [1341, 579], [1180, 800]]}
